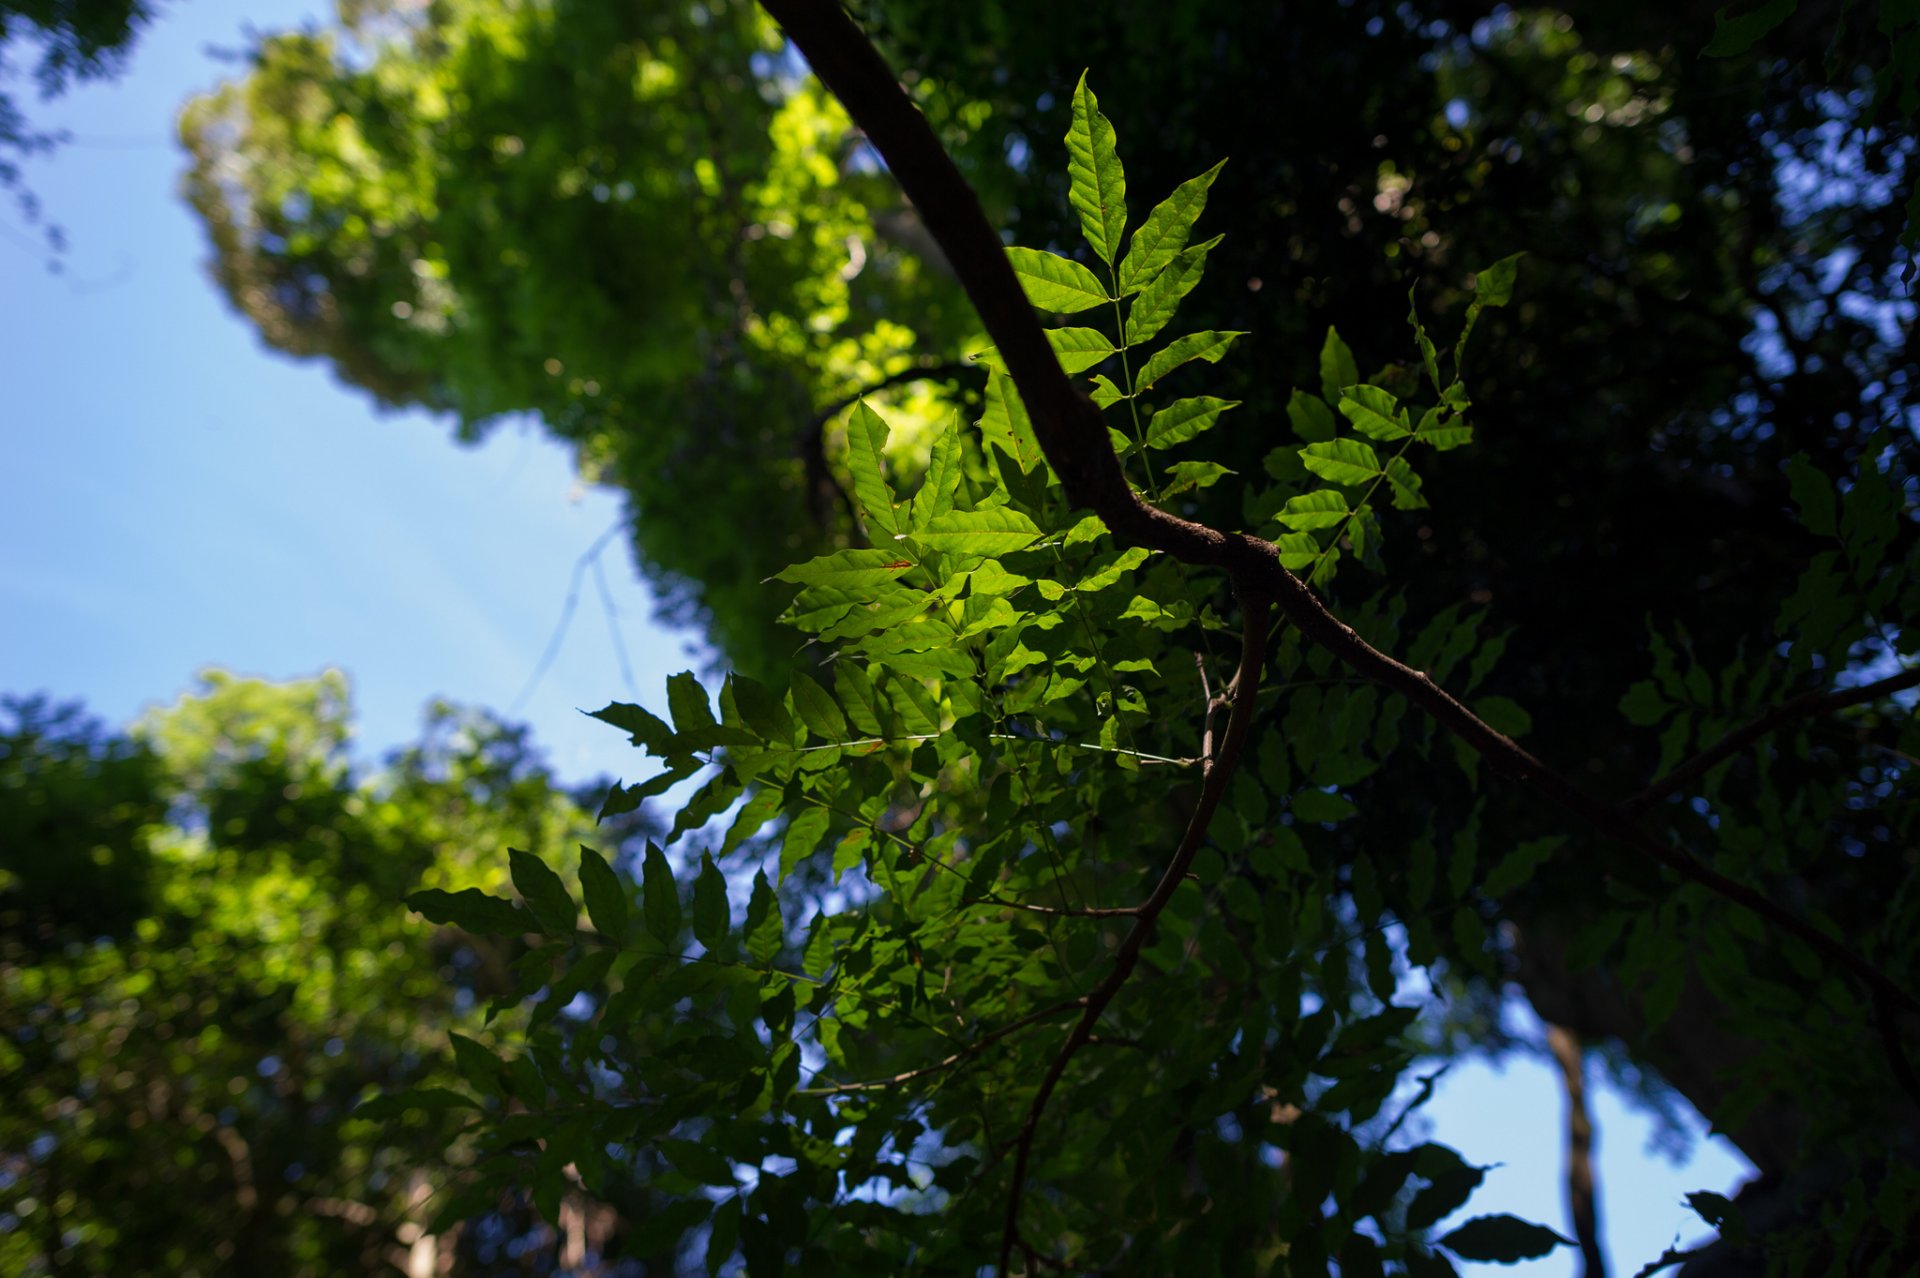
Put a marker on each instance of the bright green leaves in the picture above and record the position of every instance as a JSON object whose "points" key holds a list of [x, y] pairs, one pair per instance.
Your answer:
{"points": [[1004, 424], [1055, 283], [847, 569], [817, 709], [1374, 413], [1156, 303], [994, 531], [1164, 234], [867, 456], [1326, 508], [1097, 187], [1341, 461], [1337, 369], [1208, 346], [1310, 417], [1185, 419]]}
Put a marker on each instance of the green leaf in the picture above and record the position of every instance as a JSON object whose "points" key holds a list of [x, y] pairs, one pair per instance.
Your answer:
{"points": [[1452, 1181], [1493, 285], [1501, 1239], [753, 814], [1184, 419], [1160, 239], [606, 894], [471, 910], [1055, 283], [1341, 461], [1643, 705], [710, 920], [1079, 349], [647, 730], [803, 835], [687, 702], [1813, 493], [1337, 369], [479, 1066], [546, 896], [394, 1104], [1374, 412], [1404, 484], [847, 569], [1319, 806], [1004, 423], [1157, 302], [1185, 475], [1324, 508], [1097, 186], [700, 1162], [995, 531], [817, 709], [942, 481], [867, 457], [1105, 393], [855, 695], [761, 708], [763, 928], [1734, 36], [660, 896], [1518, 866], [1297, 550], [1209, 346], [1504, 715], [1311, 418]]}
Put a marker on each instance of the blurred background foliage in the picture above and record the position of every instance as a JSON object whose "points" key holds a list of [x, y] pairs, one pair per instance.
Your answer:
{"points": [[203, 972]]}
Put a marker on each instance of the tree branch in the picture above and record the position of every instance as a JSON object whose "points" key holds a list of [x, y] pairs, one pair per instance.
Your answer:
{"points": [[1582, 1202], [1073, 438], [1219, 771], [1805, 706], [946, 1062]]}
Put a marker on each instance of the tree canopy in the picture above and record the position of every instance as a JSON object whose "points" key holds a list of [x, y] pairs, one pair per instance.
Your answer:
{"points": [[1165, 724]]}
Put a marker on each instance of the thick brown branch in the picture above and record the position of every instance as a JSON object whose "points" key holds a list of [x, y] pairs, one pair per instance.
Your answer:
{"points": [[1074, 440], [1805, 706], [1253, 649], [1582, 1200]]}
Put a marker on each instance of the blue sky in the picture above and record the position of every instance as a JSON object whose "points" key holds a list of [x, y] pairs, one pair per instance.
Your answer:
{"points": [[178, 497]]}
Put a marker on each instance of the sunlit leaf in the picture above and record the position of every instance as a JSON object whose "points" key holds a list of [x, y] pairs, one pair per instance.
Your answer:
{"points": [[1097, 186]]}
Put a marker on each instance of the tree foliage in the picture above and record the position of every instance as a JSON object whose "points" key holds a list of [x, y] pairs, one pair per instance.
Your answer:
{"points": [[1070, 908], [202, 974]]}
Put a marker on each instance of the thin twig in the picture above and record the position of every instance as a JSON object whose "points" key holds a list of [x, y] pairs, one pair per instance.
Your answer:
{"points": [[949, 1061], [580, 566], [1807, 705], [1219, 771]]}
